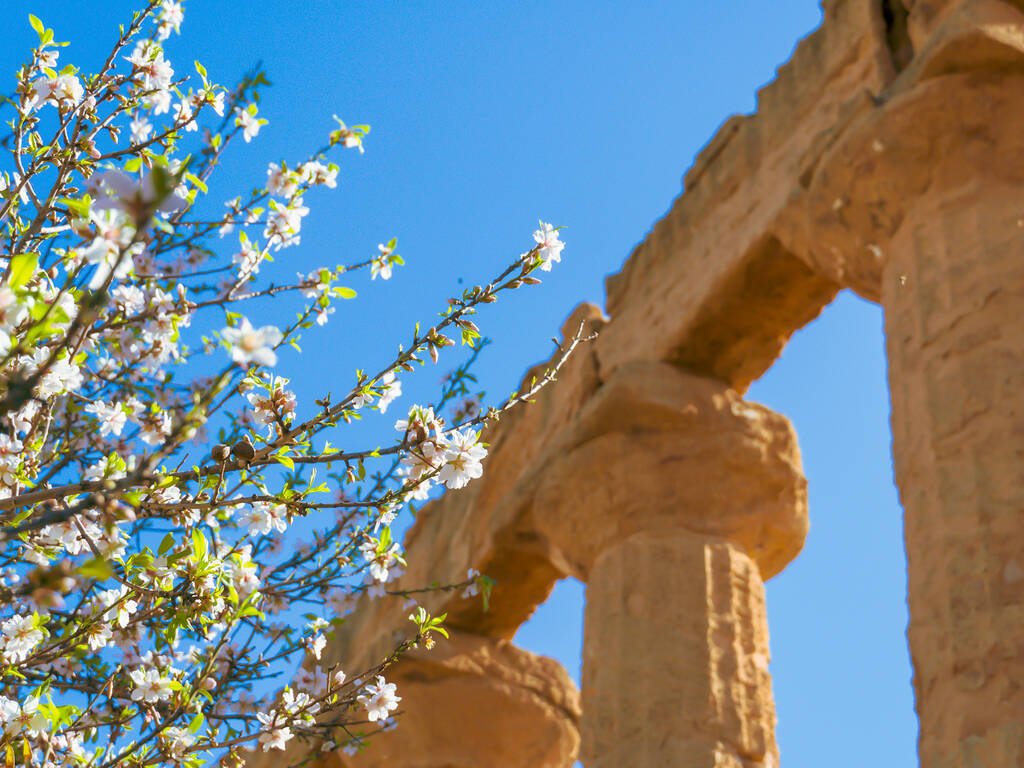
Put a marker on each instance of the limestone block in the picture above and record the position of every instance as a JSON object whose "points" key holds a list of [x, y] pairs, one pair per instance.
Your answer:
{"points": [[473, 702]]}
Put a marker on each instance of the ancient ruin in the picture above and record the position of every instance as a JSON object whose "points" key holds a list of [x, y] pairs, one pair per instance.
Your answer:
{"points": [[887, 157]]}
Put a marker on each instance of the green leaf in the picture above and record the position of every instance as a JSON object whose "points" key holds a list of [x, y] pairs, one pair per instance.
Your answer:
{"points": [[97, 569], [199, 543], [286, 461], [78, 207], [197, 721], [343, 292], [37, 25], [201, 70], [197, 181], [166, 544], [23, 266]]}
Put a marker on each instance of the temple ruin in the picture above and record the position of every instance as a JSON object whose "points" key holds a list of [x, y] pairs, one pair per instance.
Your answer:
{"points": [[887, 157]]}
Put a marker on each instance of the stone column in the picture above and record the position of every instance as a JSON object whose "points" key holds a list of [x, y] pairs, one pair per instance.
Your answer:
{"points": [[954, 298], [675, 671], [675, 504], [930, 185]]}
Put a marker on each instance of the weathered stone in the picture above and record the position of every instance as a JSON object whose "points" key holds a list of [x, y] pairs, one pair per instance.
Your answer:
{"points": [[474, 702], [674, 452], [675, 666]]}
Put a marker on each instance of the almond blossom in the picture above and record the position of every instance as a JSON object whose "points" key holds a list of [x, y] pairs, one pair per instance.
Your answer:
{"points": [[547, 237], [463, 456], [272, 734], [19, 635], [252, 345], [111, 418], [379, 699], [150, 686]]}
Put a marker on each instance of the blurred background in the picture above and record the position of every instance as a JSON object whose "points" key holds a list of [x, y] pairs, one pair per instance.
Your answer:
{"points": [[489, 116]]}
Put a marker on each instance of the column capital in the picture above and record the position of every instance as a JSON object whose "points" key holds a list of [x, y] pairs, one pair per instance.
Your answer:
{"points": [[657, 449]]}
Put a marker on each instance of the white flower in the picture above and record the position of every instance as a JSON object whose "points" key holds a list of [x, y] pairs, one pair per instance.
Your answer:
{"points": [[550, 246], [284, 223], [294, 703], [252, 345], [48, 58], [160, 102], [178, 741], [99, 636], [59, 91], [13, 311], [155, 428], [266, 517], [249, 258], [315, 172], [63, 376], [244, 573], [112, 247], [69, 88], [18, 637], [21, 421], [463, 455], [473, 589], [183, 116], [281, 181], [140, 129], [317, 645], [381, 266], [248, 122], [380, 699], [138, 198], [9, 712], [171, 16], [119, 607], [342, 602], [272, 736], [380, 563], [130, 299], [14, 718], [150, 687], [272, 404], [390, 388], [112, 418]]}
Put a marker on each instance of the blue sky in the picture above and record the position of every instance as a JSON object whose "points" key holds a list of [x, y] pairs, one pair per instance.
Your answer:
{"points": [[488, 116]]}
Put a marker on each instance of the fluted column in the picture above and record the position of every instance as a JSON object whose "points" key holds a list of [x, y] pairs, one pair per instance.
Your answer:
{"points": [[676, 656], [954, 300], [923, 200], [677, 502]]}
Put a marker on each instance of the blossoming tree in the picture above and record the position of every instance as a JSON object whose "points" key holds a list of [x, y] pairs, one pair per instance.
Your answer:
{"points": [[141, 564]]}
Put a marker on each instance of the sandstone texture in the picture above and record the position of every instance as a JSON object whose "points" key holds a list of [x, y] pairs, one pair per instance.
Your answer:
{"points": [[887, 157]]}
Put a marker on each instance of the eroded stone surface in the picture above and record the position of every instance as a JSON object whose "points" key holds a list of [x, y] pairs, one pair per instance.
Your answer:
{"points": [[675, 666], [475, 702]]}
